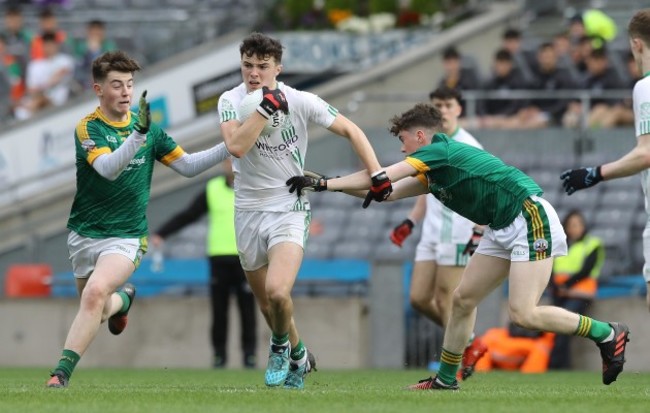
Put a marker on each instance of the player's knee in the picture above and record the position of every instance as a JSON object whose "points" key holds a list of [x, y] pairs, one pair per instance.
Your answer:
{"points": [[93, 296], [462, 303]]}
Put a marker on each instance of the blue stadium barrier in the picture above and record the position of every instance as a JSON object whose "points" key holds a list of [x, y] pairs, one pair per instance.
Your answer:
{"points": [[191, 277]]}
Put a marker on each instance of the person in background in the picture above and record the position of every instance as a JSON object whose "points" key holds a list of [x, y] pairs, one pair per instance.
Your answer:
{"points": [[10, 70], [575, 279], [48, 79], [19, 38], [458, 74], [86, 50], [226, 273], [48, 23]]}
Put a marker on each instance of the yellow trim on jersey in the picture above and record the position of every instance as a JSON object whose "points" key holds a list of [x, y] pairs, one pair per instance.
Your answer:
{"points": [[175, 154], [538, 225], [92, 155], [417, 164], [82, 127], [422, 178]]}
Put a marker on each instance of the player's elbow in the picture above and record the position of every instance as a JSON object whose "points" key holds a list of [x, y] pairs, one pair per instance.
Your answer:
{"points": [[235, 150]]}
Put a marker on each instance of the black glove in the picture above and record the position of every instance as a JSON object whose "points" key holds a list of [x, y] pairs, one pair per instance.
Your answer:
{"points": [[581, 178], [311, 181], [472, 244], [144, 115], [272, 101], [401, 232], [380, 189]]}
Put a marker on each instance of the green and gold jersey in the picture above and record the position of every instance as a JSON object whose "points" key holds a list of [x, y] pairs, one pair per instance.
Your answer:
{"points": [[104, 208], [473, 182]]}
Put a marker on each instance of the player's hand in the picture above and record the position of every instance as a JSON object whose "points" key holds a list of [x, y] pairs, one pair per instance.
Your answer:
{"points": [[272, 101], [311, 181], [574, 179], [472, 244], [401, 232], [144, 115], [380, 189]]}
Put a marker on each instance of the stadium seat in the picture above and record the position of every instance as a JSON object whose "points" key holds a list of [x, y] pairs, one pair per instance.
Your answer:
{"points": [[28, 280], [353, 250]]}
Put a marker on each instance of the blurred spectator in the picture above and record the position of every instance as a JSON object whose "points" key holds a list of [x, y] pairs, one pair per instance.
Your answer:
{"points": [[502, 113], [18, 38], [458, 75], [593, 23], [48, 23], [548, 77], [621, 112], [88, 49], [580, 52], [12, 77], [48, 79], [516, 349], [511, 41], [600, 77], [575, 279]]}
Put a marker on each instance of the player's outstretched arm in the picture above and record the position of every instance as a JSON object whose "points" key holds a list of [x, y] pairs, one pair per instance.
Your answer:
{"points": [[192, 164]]}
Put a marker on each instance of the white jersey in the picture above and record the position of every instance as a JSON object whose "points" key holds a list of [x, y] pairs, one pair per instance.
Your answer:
{"points": [[261, 174], [641, 106], [440, 223]]}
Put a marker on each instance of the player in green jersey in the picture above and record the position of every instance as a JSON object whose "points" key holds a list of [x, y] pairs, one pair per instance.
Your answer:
{"points": [[115, 153], [523, 233]]}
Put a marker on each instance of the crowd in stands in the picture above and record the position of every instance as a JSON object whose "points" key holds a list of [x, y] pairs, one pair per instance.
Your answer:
{"points": [[577, 59], [44, 66]]}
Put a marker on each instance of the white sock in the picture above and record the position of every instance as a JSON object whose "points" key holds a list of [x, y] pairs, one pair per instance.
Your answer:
{"points": [[300, 362]]}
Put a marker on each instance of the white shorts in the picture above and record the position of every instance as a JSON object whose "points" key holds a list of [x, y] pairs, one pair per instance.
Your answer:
{"points": [[535, 234], [84, 252], [441, 253], [258, 231]]}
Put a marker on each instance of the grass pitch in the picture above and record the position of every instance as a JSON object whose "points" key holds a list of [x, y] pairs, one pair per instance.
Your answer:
{"points": [[376, 391]]}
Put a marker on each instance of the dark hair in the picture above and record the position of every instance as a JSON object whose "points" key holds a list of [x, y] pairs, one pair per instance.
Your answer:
{"points": [[545, 45], [503, 55], [450, 53], [512, 33], [600, 53], [117, 61], [639, 26], [96, 23], [577, 213], [422, 114], [46, 13], [446, 93], [14, 10], [262, 46], [49, 37]]}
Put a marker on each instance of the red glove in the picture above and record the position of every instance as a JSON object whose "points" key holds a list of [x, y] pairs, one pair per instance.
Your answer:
{"points": [[401, 232], [380, 189]]}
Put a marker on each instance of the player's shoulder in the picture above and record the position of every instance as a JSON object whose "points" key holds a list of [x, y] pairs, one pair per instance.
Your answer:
{"points": [[466, 137], [236, 93], [642, 86]]}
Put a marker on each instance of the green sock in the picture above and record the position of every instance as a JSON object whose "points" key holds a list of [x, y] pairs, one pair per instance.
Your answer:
{"points": [[593, 329], [67, 362], [298, 352], [280, 340], [449, 364], [126, 302]]}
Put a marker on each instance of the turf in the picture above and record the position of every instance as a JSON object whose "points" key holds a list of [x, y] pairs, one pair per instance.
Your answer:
{"points": [[376, 391]]}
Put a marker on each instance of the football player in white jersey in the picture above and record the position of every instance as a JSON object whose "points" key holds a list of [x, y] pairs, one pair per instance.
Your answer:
{"points": [[271, 224], [638, 159], [444, 249]]}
